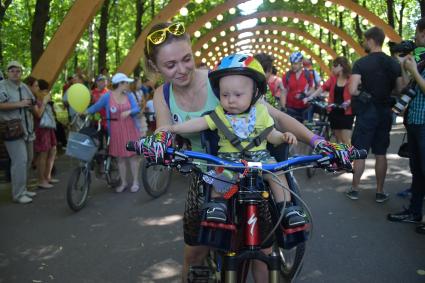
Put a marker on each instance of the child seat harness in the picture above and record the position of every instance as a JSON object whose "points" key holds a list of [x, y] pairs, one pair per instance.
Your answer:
{"points": [[234, 139]]}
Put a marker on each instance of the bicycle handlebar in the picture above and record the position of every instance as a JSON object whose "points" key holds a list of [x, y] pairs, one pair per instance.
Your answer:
{"points": [[239, 167]]}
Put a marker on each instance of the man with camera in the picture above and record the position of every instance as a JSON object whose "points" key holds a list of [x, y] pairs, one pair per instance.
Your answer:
{"points": [[378, 75], [415, 125], [17, 129]]}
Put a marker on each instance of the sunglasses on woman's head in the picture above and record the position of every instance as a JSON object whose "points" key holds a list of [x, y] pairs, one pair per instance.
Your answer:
{"points": [[157, 37]]}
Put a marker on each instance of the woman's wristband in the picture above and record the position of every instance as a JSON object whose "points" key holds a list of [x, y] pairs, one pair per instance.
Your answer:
{"points": [[314, 139]]}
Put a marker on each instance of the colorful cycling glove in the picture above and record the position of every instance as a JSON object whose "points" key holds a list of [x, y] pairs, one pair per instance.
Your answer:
{"points": [[154, 147], [341, 153]]}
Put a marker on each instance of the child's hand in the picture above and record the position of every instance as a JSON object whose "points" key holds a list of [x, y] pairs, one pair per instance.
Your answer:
{"points": [[168, 129], [289, 138]]}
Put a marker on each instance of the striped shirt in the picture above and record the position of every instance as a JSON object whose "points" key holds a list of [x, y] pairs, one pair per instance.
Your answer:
{"points": [[416, 114]]}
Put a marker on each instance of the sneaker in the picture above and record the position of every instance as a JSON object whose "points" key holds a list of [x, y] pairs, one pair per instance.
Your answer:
{"points": [[293, 217], [420, 229], [53, 181], [382, 197], [216, 212], [30, 194], [404, 216], [23, 199], [352, 194]]}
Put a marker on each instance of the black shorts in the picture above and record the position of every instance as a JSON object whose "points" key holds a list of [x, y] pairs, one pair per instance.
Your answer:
{"points": [[340, 121], [193, 214], [372, 129]]}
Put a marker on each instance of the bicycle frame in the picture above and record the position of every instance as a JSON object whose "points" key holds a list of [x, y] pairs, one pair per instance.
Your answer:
{"points": [[248, 197]]}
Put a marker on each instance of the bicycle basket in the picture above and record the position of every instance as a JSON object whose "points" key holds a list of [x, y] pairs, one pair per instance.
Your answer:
{"points": [[81, 146]]}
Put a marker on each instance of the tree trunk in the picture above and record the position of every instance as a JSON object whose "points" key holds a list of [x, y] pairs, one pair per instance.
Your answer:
{"points": [[3, 8], [103, 34], [41, 17], [358, 29], [422, 5], [140, 10], [390, 12], [90, 52], [400, 22], [152, 9]]}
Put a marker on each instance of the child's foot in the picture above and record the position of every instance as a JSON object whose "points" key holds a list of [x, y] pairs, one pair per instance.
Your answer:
{"points": [[216, 211], [293, 217]]}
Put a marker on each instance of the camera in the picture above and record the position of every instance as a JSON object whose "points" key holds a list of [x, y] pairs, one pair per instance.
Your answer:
{"points": [[404, 100], [403, 48]]}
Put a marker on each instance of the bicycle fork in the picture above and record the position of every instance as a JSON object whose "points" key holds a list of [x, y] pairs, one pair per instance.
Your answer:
{"points": [[232, 261]]}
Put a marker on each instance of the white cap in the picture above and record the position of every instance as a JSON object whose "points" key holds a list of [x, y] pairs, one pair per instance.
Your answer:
{"points": [[14, 64], [120, 77]]}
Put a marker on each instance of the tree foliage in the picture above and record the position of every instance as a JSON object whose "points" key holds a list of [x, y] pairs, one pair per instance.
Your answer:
{"points": [[119, 22]]}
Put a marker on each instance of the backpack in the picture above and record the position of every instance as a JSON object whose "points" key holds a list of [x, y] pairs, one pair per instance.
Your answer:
{"points": [[307, 74]]}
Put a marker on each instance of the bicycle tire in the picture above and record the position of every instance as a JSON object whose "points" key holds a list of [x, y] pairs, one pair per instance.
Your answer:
{"points": [[111, 172], [156, 179], [77, 194], [290, 260]]}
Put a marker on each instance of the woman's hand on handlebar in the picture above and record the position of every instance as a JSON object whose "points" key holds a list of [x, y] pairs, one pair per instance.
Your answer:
{"points": [[166, 128], [154, 147], [342, 155]]}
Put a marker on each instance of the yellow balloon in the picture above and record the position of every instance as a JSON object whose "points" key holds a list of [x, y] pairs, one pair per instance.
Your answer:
{"points": [[78, 97]]}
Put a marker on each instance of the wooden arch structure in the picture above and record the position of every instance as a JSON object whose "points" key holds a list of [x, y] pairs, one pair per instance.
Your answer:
{"points": [[305, 49], [350, 5], [82, 12], [280, 29], [216, 32]]}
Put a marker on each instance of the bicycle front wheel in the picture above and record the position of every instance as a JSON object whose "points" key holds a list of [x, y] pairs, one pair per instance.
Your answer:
{"points": [[111, 172], [291, 260], [78, 188], [156, 179]]}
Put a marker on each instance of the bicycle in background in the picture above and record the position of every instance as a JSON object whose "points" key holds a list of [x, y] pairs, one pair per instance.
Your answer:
{"points": [[84, 145]]}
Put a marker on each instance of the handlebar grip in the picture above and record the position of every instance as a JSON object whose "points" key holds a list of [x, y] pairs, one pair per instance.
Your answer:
{"points": [[130, 146], [358, 154]]}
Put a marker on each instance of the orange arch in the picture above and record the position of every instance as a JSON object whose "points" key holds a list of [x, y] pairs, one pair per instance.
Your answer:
{"points": [[331, 28], [350, 5], [317, 58], [279, 28]]}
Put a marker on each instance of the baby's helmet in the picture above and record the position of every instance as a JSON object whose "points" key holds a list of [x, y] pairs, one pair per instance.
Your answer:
{"points": [[296, 57], [239, 64]]}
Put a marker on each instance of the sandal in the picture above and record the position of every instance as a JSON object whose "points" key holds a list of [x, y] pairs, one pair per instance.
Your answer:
{"points": [[121, 188]]}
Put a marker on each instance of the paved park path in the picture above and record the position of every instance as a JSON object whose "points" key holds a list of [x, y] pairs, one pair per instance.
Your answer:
{"points": [[131, 238]]}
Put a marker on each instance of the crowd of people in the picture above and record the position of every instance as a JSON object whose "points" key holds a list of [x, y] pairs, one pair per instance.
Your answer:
{"points": [[28, 104], [235, 91]]}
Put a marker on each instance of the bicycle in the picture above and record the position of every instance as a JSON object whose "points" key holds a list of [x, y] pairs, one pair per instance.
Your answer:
{"points": [[320, 127], [84, 146], [227, 260]]}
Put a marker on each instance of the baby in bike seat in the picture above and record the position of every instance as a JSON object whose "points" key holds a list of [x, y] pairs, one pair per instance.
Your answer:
{"points": [[244, 128]]}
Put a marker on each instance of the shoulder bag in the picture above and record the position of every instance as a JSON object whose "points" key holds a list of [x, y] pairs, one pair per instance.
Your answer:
{"points": [[47, 119]]}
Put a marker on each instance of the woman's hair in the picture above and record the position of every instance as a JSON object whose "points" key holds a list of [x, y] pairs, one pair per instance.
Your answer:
{"points": [[151, 57], [346, 67], [265, 60], [43, 84], [29, 81]]}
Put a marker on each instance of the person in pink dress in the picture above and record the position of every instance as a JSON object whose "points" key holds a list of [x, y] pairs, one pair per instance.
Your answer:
{"points": [[121, 115]]}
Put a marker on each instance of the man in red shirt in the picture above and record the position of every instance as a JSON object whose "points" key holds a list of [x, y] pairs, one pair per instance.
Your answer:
{"points": [[97, 93], [296, 82]]}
